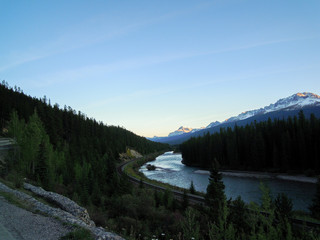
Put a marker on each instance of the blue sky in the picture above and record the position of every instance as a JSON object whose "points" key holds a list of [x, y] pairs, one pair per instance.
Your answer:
{"points": [[153, 66]]}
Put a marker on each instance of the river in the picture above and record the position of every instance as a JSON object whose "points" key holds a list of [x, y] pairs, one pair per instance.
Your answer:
{"points": [[171, 170]]}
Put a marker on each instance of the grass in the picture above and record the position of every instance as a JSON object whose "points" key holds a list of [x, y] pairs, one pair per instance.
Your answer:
{"points": [[11, 198], [78, 234], [11, 184]]}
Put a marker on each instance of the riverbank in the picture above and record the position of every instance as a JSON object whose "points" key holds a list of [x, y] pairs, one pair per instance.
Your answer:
{"points": [[263, 175], [132, 169]]}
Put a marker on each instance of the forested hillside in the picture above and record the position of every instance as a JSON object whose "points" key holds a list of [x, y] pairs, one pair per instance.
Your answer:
{"points": [[291, 145], [68, 153], [62, 147]]}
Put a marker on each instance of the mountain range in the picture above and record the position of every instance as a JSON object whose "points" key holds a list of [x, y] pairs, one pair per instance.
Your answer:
{"points": [[290, 106]]}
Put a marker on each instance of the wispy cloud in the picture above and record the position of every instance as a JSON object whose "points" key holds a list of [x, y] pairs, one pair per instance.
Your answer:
{"points": [[97, 31], [142, 94], [100, 70], [147, 93]]}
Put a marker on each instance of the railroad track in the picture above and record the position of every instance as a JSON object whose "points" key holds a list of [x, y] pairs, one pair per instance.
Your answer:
{"points": [[195, 199], [6, 143]]}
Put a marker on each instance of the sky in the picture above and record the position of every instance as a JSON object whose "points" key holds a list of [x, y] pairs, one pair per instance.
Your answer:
{"points": [[153, 66]]}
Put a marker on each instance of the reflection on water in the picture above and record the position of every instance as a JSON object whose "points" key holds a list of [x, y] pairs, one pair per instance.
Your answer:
{"points": [[171, 170]]}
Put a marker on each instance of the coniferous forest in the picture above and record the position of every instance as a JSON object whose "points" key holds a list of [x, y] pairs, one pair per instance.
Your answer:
{"points": [[288, 145], [62, 147], [66, 152]]}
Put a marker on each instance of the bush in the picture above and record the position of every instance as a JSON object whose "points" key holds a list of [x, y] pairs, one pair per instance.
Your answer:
{"points": [[15, 178]]}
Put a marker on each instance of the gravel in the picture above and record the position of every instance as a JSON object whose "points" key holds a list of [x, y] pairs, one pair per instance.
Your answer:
{"points": [[64, 216], [25, 225]]}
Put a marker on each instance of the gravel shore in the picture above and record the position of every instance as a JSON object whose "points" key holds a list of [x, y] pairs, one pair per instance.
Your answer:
{"points": [[25, 225]]}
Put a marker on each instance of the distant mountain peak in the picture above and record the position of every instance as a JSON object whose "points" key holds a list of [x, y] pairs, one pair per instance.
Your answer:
{"points": [[213, 124], [293, 102], [180, 131], [296, 101], [308, 94], [183, 130]]}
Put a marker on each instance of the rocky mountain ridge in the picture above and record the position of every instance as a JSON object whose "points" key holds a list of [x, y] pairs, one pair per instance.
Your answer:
{"points": [[183, 130], [293, 102], [281, 108]]}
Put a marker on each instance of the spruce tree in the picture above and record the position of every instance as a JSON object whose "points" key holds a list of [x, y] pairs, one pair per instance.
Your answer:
{"points": [[217, 202], [190, 226], [239, 216], [42, 169], [192, 189], [283, 207]]}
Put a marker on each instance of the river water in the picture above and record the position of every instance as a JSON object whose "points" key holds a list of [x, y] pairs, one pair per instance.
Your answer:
{"points": [[171, 170]]}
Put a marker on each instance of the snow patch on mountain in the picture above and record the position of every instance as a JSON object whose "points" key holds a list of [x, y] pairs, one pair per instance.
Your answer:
{"points": [[213, 124], [295, 101], [180, 131]]}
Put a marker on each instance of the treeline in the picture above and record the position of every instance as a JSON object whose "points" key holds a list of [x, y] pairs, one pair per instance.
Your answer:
{"points": [[291, 145], [63, 150], [69, 126]]}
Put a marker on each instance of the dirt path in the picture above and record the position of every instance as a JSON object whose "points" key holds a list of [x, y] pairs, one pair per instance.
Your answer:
{"points": [[19, 224]]}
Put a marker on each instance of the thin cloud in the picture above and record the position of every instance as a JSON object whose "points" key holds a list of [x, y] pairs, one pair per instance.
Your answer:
{"points": [[128, 97], [142, 62], [65, 42]]}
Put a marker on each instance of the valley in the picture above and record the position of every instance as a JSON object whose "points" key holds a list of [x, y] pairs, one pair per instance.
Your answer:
{"points": [[160, 120], [68, 153]]}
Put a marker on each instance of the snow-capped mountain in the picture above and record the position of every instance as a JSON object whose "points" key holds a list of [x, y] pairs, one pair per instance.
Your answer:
{"points": [[183, 130], [294, 102], [180, 131], [284, 107], [213, 124]]}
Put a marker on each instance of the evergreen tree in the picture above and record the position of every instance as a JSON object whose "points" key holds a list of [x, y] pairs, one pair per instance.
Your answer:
{"points": [[283, 207], [190, 226], [280, 145], [43, 171], [215, 196], [239, 217], [267, 219], [192, 189], [217, 202]]}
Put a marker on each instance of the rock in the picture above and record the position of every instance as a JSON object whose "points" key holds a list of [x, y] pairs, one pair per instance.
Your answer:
{"points": [[151, 167], [129, 154], [62, 202]]}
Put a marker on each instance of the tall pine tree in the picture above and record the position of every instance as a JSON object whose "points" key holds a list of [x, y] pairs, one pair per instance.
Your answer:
{"points": [[216, 201]]}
